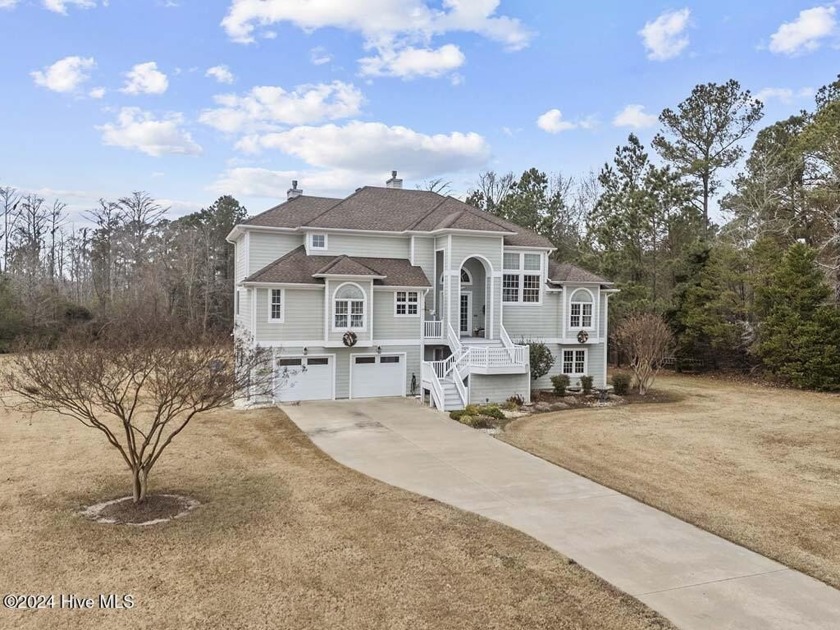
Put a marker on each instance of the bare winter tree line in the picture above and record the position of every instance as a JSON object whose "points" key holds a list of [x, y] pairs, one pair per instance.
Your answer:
{"points": [[128, 256]]}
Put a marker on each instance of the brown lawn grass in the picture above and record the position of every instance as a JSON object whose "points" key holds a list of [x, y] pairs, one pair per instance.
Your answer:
{"points": [[756, 465], [285, 538]]}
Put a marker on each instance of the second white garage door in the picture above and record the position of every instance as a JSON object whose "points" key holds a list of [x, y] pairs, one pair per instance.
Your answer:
{"points": [[377, 375], [303, 378]]}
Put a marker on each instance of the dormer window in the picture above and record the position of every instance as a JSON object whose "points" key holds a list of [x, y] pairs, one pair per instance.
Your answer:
{"points": [[349, 308], [317, 241], [580, 310]]}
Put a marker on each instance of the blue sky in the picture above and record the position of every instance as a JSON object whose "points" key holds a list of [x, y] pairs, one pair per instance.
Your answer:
{"points": [[189, 99]]}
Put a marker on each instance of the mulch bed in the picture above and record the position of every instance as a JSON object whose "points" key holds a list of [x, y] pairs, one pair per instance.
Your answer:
{"points": [[156, 508]]}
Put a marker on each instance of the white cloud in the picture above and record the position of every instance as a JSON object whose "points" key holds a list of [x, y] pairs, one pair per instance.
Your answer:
{"points": [[140, 131], [97, 92], [388, 27], [222, 74], [665, 37], [376, 147], [60, 6], [410, 62], [805, 33], [319, 56], [634, 116], [264, 107], [145, 78], [783, 95], [65, 75], [8, 4], [552, 121]]}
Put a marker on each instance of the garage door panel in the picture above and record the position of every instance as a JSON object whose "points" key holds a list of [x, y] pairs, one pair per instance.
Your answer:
{"points": [[304, 378], [374, 376]]}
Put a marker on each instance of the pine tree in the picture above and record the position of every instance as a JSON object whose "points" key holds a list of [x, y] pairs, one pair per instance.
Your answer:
{"points": [[800, 333]]}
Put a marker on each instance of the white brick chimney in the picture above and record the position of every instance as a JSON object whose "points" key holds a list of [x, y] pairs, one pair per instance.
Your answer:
{"points": [[394, 182], [294, 191]]}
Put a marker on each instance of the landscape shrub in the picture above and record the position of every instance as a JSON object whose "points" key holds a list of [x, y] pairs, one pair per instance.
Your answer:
{"points": [[515, 401], [540, 357], [477, 422], [491, 410], [456, 414], [560, 383], [586, 384], [621, 383], [471, 410]]}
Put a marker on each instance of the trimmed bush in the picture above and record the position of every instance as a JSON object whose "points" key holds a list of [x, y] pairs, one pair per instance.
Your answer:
{"points": [[540, 357], [515, 401], [456, 414], [560, 383], [586, 384], [621, 383], [492, 411]]}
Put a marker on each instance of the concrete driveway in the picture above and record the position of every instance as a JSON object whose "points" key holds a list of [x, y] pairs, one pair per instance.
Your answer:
{"points": [[694, 578]]}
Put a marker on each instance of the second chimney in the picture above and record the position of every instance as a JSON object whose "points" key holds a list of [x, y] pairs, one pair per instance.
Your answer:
{"points": [[294, 191], [394, 182]]}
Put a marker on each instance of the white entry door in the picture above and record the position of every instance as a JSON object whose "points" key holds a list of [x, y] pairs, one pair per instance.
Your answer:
{"points": [[377, 375], [303, 378], [466, 313]]}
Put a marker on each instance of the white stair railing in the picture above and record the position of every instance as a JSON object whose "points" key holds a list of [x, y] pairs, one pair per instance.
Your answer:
{"points": [[433, 329], [428, 375]]}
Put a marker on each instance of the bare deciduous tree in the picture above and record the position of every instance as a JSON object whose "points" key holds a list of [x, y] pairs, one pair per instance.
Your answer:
{"points": [[139, 382], [646, 339]]}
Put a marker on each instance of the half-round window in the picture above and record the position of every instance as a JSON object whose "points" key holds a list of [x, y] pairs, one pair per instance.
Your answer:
{"points": [[349, 292], [466, 278]]}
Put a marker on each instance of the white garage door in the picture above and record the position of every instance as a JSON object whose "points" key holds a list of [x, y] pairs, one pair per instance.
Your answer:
{"points": [[303, 378], [377, 375]]}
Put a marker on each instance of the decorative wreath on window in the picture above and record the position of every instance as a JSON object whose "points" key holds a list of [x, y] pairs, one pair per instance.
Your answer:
{"points": [[349, 339], [583, 336]]}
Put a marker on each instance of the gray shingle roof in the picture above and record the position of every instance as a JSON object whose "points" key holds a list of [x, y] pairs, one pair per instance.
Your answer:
{"points": [[298, 268], [567, 272], [393, 210]]}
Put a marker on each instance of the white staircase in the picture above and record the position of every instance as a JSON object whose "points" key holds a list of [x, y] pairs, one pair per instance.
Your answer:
{"points": [[451, 397], [445, 380]]}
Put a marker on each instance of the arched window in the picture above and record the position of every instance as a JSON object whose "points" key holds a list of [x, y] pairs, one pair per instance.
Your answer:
{"points": [[349, 307], [466, 278], [580, 311]]}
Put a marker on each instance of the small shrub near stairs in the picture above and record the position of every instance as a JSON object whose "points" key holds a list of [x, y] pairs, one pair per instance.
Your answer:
{"points": [[479, 416]]}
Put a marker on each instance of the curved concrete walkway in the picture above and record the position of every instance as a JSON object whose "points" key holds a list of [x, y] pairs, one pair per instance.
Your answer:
{"points": [[694, 578]]}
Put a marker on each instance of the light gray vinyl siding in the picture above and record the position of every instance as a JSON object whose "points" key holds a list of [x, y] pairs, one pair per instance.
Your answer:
{"points": [[490, 247], [362, 335], [303, 317], [534, 322], [267, 247], [386, 325], [366, 245], [594, 364], [497, 388], [343, 357], [424, 257], [241, 260]]}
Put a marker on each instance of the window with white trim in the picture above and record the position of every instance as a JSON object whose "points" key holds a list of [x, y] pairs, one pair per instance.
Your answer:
{"points": [[275, 305], [317, 241], [519, 283], [580, 310], [406, 303], [349, 308], [574, 362]]}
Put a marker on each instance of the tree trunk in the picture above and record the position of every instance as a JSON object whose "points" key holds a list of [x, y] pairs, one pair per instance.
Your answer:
{"points": [[140, 483]]}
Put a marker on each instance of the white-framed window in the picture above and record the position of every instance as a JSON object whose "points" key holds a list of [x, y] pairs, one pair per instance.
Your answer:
{"points": [[574, 362], [276, 305], [522, 278], [466, 277], [317, 241], [580, 310], [406, 303], [349, 308]]}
